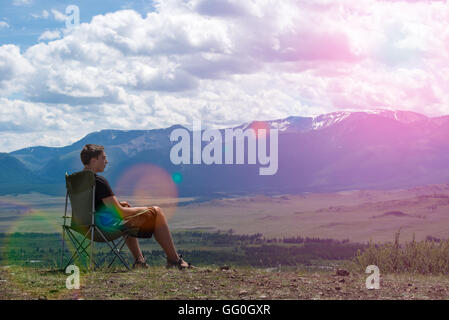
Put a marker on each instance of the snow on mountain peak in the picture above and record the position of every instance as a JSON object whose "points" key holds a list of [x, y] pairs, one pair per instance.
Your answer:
{"points": [[329, 119], [302, 124], [398, 115], [280, 125]]}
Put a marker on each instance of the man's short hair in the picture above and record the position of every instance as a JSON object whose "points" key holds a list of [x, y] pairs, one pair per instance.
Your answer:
{"points": [[90, 151]]}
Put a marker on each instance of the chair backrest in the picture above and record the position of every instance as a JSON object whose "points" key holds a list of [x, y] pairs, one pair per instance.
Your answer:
{"points": [[81, 190]]}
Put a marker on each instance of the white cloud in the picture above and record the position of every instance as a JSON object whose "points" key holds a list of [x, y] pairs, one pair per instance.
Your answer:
{"points": [[21, 3], [44, 15], [58, 15], [22, 116], [50, 35], [14, 69], [4, 24]]}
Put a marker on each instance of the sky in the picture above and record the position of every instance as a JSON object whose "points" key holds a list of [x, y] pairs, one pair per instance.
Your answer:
{"points": [[151, 64]]}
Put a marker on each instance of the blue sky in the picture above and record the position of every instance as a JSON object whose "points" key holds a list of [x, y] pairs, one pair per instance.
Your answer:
{"points": [[152, 64]]}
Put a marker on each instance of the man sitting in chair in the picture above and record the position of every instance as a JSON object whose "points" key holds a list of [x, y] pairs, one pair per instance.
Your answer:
{"points": [[111, 212]]}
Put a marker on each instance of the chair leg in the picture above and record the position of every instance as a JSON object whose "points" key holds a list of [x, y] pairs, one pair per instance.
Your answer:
{"points": [[91, 246], [73, 255], [63, 228], [79, 248], [63, 246], [76, 254], [112, 249], [119, 249], [79, 252]]}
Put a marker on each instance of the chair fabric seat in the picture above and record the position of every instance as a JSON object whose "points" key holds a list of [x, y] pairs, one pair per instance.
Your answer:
{"points": [[112, 233], [109, 235]]}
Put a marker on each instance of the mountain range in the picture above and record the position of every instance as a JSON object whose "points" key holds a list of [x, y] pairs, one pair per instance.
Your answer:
{"points": [[379, 149]]}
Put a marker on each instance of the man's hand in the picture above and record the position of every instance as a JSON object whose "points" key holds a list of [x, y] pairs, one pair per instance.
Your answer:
{"points": [[125, 204]]}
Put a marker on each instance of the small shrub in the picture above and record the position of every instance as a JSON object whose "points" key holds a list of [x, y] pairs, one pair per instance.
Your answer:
{"points": [[423, 257]]}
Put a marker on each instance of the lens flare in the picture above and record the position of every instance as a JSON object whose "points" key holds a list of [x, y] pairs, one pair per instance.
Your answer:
{"points": [[150, 185], [109, 219], [32, 239], [12, 212], [177, 177], [262, 125]]}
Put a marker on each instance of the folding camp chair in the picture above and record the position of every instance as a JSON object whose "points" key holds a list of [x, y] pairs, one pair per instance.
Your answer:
{"points": [[81, 191]]}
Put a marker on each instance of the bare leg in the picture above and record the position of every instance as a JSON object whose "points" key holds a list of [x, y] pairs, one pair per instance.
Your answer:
{"points": [[133, 245], [163, 237]]}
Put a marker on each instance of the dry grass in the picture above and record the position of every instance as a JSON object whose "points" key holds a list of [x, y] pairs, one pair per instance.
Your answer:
{"points": [[423, 257]]}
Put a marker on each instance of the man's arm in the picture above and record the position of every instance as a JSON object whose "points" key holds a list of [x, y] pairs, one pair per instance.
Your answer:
{"points": [[112, 202]]}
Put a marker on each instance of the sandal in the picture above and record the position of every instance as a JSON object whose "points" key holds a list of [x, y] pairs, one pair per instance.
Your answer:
{"points": [[179, 264], [140, 264]]}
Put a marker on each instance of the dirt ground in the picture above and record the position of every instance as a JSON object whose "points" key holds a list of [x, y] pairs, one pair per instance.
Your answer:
{"points": [[157, 283]]}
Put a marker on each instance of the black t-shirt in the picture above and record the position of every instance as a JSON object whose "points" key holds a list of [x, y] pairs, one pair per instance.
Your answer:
{"points": [[108, 219], [102, 190]]}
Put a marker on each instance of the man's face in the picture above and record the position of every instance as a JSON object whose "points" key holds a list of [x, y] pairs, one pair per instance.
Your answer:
{"points": [[98, 164]]}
